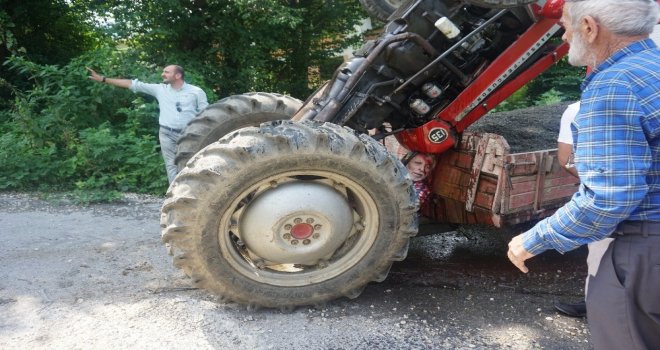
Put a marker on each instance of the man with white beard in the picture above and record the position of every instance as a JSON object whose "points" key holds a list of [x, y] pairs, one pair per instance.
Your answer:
{"points": [[616, 135], [565, 157]]}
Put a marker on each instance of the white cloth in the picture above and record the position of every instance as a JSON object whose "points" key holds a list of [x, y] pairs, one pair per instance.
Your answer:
{"points": [[596, 251], [655, 36], [565, 133]]}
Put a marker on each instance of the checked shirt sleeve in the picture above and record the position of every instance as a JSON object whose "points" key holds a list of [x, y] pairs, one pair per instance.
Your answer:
{"points": [[613, 158]]}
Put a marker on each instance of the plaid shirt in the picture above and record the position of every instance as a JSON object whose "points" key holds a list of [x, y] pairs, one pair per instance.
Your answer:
{"points": [[617, 153], [423, 191]]}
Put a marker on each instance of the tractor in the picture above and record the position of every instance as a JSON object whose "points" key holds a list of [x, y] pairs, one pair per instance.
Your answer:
{"points": [[281, 203]]}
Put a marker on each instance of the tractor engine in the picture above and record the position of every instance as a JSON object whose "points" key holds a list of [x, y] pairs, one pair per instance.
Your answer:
{"points": [[427, 55]]}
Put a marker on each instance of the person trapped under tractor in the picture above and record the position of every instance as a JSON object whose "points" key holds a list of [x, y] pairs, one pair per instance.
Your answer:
{"points": [[419, 167], [178, 102]]}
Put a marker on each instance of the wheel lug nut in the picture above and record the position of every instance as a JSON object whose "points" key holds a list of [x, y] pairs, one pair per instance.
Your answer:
{"points": [[316, 235], [287, 227], [310, 220], [317, 227], [286, 236], [294, 242], [306, 241], [297, 220], [260, 264]]}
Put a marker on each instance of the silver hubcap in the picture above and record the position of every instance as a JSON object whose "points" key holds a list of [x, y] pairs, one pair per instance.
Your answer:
{"points": [[298, 228], [298, 222]]}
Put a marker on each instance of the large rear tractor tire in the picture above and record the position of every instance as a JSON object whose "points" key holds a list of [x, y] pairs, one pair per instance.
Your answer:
{"points": [[289, 214], [501, 4], [381, 9], [229, 114]]}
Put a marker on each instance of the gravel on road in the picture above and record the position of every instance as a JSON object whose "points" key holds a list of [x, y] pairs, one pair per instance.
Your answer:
{"points": [[98, 277]]}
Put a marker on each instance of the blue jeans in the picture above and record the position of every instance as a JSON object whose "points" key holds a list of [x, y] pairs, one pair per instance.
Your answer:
{"points": [[168, 140]]}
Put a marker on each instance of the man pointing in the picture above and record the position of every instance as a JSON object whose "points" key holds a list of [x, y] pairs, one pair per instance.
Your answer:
{"points": [[178, 102]]}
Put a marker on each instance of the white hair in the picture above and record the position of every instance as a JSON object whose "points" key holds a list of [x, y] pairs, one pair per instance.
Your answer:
{"points": [[621, 17]]}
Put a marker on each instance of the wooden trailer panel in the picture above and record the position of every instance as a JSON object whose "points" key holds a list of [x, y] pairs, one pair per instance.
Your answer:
{"points": [[480, 182]]}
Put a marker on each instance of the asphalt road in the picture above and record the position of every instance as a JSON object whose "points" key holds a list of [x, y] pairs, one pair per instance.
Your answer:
{"points": [[98, 278]]}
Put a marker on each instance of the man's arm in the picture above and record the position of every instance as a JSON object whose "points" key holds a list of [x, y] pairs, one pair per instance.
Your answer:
{"points": [[613, 159], [565, 139], [122, 83], [564, 155], [202, 101]]}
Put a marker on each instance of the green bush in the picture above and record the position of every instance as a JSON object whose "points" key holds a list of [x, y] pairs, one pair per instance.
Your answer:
{"points": [[70, 134], [559, 83]]}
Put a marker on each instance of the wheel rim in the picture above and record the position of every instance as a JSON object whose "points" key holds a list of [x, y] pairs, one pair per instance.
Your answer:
{"points": [[298, 228]]}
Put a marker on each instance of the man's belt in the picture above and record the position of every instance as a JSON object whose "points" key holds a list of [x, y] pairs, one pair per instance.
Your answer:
{"points": [[171, 129], [644, 228]]}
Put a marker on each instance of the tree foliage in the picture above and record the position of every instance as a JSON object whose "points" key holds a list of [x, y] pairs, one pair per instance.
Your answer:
{"points": [[69, 134], [559, 83], [562, 78], [239, 45], [61, 131], [44, 32]]}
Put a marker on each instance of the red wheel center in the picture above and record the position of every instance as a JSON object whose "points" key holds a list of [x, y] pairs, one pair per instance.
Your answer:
{"points": [[302, 230]]}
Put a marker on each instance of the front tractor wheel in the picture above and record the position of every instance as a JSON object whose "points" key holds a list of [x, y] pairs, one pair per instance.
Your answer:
{"points": [[289, 214]]}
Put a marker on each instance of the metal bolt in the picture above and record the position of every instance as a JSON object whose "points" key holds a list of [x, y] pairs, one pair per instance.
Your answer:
{"points": [[287, 227], [286, 236], [306, 241], [259, 264], [297, 220], [317, 227], [294, 242], [310, 220], [316, 235]]}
